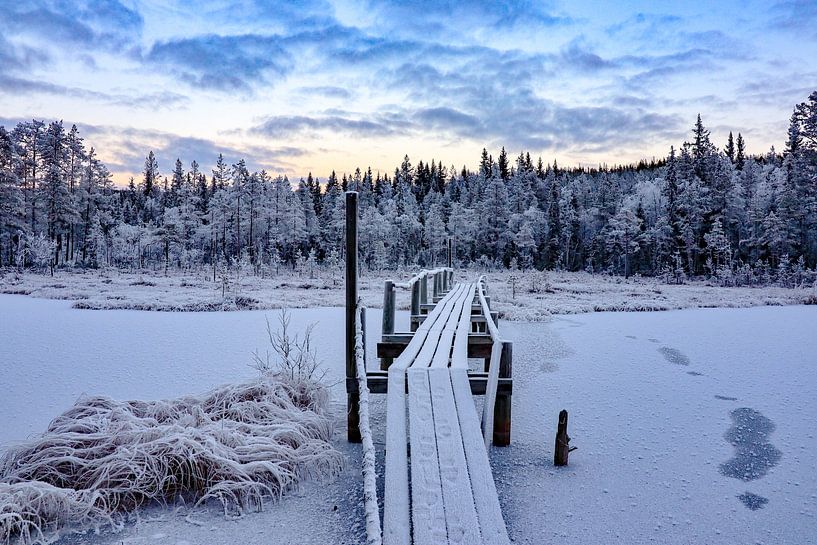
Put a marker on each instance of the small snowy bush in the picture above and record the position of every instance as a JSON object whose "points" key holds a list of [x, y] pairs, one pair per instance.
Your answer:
{"points": [[239, 445]]}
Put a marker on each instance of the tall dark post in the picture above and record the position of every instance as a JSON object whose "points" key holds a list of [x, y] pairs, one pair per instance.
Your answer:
{"points": [[415, 306], [502, 407], [424, 289], [352, 398], [388, 316], [450, 253]]}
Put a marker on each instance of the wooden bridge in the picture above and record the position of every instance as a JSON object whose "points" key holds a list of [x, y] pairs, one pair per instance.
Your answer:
{"points": [[438, 482]]}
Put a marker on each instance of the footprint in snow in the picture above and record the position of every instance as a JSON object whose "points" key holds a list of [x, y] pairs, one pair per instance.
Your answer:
{"points": [[673, 355], [753, 501], [754, 455]]}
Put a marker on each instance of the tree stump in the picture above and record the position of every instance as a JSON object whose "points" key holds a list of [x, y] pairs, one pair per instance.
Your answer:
{"points": [[562, 441]]}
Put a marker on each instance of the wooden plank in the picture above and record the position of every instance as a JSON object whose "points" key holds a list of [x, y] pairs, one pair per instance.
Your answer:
{"points": [[396, 487], [462, 340], [460, 514], [486, 501], [427, 508]]}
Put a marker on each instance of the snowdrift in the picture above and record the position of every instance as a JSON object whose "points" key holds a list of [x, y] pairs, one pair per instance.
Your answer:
{"points": [[239, 445]]}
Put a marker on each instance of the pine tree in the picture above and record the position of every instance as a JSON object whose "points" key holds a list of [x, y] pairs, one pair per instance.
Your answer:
{"points": [[240, 177], [504, 171], [151, 176], [12, 206], [740, 154], [221, 175], [730, 148]]}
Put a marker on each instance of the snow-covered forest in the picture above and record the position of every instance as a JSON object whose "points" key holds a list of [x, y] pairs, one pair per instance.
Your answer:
{"points": [[705, 209]]}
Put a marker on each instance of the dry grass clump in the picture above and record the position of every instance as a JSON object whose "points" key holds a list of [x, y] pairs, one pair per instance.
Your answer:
{"points": [[239, 444]]}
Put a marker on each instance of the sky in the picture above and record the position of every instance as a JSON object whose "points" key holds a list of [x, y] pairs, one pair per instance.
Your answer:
{"points": [[320, 85]]}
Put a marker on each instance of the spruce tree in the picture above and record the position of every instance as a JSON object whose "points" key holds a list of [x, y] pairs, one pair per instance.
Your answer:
{"points": [[730, 148]]}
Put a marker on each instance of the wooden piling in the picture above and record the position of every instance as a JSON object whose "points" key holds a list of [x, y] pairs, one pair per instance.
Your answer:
{"points": [[450, 253], [424, 289], [415, 305], [563, 449], [502, 407], [352, 398], [389, 314]]}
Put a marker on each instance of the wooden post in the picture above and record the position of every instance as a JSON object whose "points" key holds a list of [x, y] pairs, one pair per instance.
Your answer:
{"points": [[450, 254], [415, 305], [563, 449], [363, 331], [435, 290], [502, 408], [388, 315], [352, 398], [424, 289]]}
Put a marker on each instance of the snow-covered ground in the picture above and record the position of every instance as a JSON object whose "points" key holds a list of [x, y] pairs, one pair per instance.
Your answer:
{"points": [[532, 296], [667, 410]]}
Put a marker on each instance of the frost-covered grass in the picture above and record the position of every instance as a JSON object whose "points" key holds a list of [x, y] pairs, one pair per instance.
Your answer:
{"points": [[239, 444], [518, 296], [539, 295]]}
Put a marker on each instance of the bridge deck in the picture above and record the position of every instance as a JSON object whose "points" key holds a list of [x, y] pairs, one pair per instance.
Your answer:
{"points": [[446, 492]]}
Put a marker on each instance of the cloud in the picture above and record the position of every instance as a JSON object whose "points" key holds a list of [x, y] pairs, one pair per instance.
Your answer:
{"points": [[434, 17], [328, 91], [157, 100], [780, 91], [282, 126], [223, 63], [19, 57], [125, 149], [102, 24], [798, 15], [644, 25], [448, 119]]}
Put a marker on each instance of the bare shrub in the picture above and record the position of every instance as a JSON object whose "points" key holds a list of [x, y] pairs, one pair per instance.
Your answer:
{"points": [[294, 357]]}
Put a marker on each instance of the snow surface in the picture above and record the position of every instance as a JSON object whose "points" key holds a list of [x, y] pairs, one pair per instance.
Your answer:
{"points": [[657, 439], [654, 400]]}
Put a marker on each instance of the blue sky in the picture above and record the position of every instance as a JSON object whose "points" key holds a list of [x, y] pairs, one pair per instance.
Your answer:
{"points": [[314, 85]]}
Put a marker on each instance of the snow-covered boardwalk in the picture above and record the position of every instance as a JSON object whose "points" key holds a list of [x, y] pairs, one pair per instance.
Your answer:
{"points": [[438, 483]]}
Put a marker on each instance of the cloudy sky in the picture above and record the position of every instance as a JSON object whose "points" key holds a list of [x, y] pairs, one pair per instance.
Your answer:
{"points": [[314, 85]]}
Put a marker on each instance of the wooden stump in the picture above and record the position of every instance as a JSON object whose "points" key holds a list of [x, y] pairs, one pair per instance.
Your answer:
{"points": [[562, 441]]}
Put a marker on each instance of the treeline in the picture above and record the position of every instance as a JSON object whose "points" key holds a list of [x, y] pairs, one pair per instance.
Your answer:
{"points": [[701, 211]]}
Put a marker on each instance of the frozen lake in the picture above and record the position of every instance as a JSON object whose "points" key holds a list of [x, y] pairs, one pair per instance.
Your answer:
{"points": [[694, 426]]}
